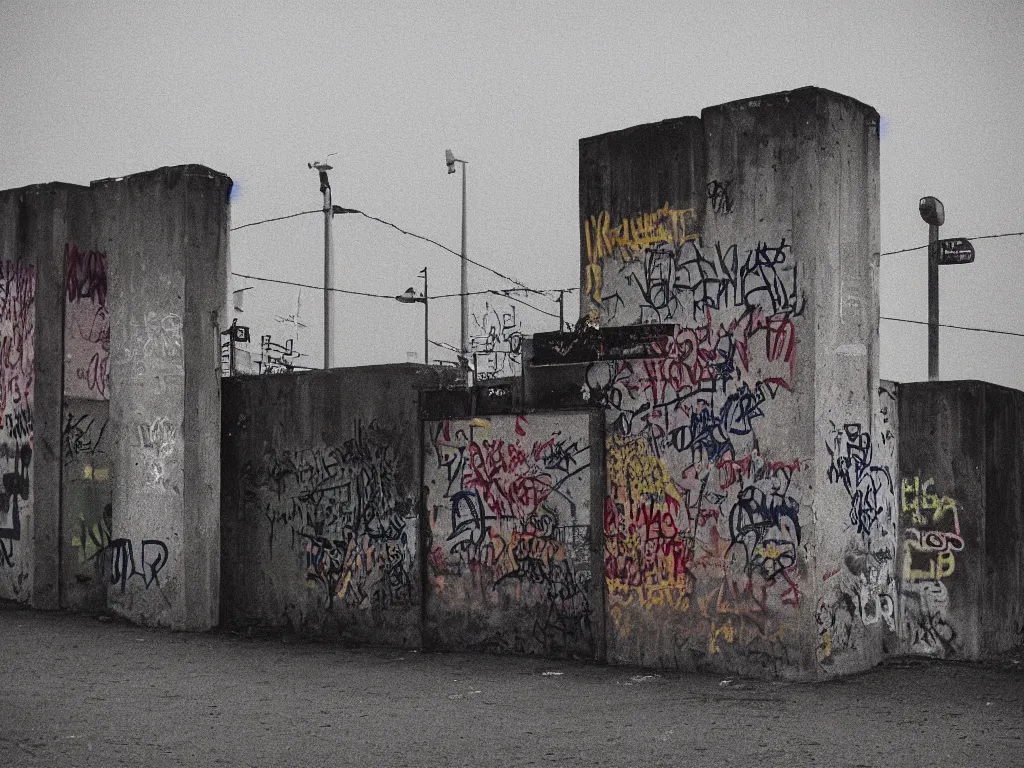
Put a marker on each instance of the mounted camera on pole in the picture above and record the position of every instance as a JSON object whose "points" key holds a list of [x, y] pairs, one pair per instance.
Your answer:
{"points": [[952, 251]]}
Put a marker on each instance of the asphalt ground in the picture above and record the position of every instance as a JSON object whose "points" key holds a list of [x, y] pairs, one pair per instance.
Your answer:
{"points": [[78, 691]]}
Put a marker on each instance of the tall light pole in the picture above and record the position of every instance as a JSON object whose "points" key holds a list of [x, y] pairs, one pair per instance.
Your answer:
{"points": [[325, 188], [451, 160], [934, 214], [410, 297]]}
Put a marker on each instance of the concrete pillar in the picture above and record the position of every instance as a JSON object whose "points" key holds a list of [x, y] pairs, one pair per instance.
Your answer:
{"points": [[748, 507], [165, 236], [35, 222]]}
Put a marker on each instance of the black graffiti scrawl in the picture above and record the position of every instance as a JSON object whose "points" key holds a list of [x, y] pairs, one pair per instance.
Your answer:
{"points": [[342, 505], [15, 489]]}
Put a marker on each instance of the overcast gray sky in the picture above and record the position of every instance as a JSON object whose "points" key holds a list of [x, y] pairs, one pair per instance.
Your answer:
{"points": [[90, 90]]}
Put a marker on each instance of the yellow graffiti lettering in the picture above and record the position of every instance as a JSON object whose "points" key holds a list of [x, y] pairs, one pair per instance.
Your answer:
{"points": [[725, 632], [635, 471], [934, 536], [630, 237]]}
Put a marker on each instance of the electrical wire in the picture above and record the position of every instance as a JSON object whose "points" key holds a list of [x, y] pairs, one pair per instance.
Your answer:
{"points": [[314, 287], [957, 327], [503, 292], [446, 248], [979, 237], [276, 218], [340, 209]]}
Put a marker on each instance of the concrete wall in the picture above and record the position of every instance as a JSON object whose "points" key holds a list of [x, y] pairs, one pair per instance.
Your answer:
{"points": [[114, 290], [35, 223], [514, 513], [320, 501], [962, 519], [746, 488]]}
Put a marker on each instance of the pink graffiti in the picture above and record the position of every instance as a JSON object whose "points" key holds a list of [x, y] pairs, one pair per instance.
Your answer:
{"points": [[17, 330], [88, 325], [508, 477]]}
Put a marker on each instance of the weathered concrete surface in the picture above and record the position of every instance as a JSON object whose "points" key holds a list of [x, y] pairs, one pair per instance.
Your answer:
{"points": [[80, 693], [35, 224], [320, 501], [962, 518], [164, 234], [745, 496], [86, 504], [514, 509], [80, 511]]}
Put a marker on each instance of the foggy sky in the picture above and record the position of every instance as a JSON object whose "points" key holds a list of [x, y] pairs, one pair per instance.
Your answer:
{"points": [[256, 90]]}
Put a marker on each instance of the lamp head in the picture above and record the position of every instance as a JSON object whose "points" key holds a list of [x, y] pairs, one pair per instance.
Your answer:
{"points": [[449, 158], [409, 297], [932, 211]]}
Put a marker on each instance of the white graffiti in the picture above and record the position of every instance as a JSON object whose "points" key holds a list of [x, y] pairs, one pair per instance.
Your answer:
{"points": [[157, 440]]}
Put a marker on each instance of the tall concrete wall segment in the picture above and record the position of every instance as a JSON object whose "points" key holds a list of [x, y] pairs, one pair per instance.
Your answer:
{"points": [[746, 493], [320, 501], [165, 236], [112, 487], [961, 519], [35, 222]]}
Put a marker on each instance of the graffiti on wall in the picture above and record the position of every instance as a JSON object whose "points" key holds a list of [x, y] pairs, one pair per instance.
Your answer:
{"points": [[719, 196], [932, 541], [87, 324], [656, 271], [158, 444], [631, 238], [17, 365], [509, 513], [343, 510], [862, 591], [155, 344], [702, 516], [496, 341]]}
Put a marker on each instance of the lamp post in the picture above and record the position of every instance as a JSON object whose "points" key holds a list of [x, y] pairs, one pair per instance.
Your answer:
{"points": [[934, 214], [450, 160], [325, 188], [410, 297]]}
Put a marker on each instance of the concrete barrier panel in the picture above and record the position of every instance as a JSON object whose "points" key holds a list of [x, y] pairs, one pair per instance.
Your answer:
{"points": [[514, 562], [320, 502]]}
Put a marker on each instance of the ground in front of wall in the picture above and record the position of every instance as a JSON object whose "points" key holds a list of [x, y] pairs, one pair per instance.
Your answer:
{"points": [[75, 691]]}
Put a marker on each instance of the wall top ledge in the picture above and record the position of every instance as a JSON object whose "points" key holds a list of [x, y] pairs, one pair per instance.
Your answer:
{"points": [[797, 96], [807, 95], [173, 174]]}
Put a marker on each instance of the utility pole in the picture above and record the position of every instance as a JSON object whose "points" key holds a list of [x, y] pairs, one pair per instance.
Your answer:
{"points": [[325, 188], [451, 160], [934, 215]]}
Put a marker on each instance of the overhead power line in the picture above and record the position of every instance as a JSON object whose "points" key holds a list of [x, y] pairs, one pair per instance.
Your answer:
{"points": [[391, 297], [276, 218], [340, 209], [957, 327], [314, 287], [455, 253], [979, 237]]}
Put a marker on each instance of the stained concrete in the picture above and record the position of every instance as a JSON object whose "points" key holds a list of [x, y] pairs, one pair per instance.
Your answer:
{"points": [[753, 233], [35, 223], [321, 501], [962, 519], [116, 288], [514, 524]]}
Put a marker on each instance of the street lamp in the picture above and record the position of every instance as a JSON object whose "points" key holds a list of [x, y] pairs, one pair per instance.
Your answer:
{"points": [[934, 215], [325, 188], [450, 160], [410, 297]]}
